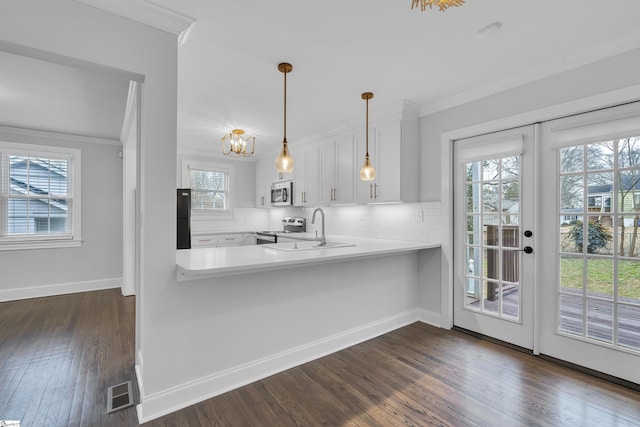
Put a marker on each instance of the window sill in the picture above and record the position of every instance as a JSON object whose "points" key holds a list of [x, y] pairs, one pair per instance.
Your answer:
{"points": [[42, 244]]}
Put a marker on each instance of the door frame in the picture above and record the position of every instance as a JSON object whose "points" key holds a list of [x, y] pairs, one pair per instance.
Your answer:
{"points": [[578, 106]]}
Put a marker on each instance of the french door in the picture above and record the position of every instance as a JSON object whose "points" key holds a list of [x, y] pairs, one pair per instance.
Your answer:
{"points": [[590, 283], [494, 236], [574, 294]]}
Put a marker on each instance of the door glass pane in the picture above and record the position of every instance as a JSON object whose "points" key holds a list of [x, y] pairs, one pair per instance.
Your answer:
{"points": [[628, 149], [599, 286], [600, 155], [628, 235], [572, 159], [492, 280], [629, 281], [571, 193], [491, 197], [600, 277], [571, 311], [600, 320], [628, 316]]}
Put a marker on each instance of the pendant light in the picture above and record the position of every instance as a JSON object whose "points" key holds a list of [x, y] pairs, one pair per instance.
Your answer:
{"points": [[284, 162], [367, 173]]}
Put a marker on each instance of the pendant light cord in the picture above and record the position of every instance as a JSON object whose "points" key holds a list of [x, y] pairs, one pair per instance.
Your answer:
{"points": [[367, 128], [285, 107]]}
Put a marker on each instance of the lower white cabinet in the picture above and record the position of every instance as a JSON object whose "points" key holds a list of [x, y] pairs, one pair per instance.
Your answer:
{"points": [[218, 240]]}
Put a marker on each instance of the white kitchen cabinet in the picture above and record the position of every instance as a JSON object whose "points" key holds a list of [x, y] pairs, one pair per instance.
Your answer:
{"points": [[220, 240], [263, 184], [204, 240], [306, 180], [266, 174], [234, 239], [393, 149], [337, 178]]}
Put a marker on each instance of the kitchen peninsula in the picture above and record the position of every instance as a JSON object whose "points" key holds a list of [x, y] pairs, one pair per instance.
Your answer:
{"points": [[243, 313], [200, 263]]}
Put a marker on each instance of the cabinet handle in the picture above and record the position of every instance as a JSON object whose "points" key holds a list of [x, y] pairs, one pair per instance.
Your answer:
{"points": [[375, 191], [304, 197], [370, 191], [261, 200], [229, 238]]}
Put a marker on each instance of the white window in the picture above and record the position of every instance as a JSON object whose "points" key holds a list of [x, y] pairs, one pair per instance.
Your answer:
{"points": [[39, 196], [209, 183]]}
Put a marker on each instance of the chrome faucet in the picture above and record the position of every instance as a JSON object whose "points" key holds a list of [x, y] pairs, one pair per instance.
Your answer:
{"points": [[323, 239]]}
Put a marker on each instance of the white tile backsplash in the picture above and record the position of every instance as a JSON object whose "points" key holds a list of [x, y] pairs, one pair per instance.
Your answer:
{"points": [[403, 221]]}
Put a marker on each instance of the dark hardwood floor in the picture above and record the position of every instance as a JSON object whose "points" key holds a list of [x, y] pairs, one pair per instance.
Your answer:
{"points": [[59, 354]]}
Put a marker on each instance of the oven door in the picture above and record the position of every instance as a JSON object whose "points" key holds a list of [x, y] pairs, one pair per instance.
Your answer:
{"points": [[266, 238]]}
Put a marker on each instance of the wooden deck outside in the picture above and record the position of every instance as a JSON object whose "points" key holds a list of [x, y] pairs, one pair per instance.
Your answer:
{"points": [[599, 322]]}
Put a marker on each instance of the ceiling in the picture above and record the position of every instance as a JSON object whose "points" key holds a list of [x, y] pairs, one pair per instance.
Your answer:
{"points": [[228, 76], [46, 96]]}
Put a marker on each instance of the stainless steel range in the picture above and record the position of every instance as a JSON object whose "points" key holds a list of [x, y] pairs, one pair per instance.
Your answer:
{"points": [[290, 224]]}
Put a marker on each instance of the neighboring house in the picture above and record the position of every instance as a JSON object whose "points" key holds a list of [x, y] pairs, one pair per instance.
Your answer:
{"points": [[38, 196]]}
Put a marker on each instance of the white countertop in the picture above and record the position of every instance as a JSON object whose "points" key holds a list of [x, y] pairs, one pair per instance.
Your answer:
{"points": [[200, 263]]}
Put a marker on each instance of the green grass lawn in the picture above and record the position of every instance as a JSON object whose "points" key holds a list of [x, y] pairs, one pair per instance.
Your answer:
{"points": [[600, 276]]}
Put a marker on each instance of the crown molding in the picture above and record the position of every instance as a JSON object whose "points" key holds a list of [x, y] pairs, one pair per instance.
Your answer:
{"points": [[148, 13], [5, 131]]}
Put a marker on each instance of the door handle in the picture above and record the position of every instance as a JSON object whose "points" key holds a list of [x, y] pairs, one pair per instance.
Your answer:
{"points": [[526, 250]]}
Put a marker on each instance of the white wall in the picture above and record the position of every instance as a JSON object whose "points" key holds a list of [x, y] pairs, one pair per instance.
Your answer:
{"points": [[618, 72], [97, 264], [534, 99], [77, 31]]}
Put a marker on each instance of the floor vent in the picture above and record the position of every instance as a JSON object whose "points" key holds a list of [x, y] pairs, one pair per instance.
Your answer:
{"points": [[119, 397]]}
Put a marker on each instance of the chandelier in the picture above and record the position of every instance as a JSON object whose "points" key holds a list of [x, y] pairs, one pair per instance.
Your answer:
{"points": [[237, 144], [440, 4]]}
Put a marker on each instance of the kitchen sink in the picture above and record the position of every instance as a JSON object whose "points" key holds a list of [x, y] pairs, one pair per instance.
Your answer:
{"points": [[306, 246]]}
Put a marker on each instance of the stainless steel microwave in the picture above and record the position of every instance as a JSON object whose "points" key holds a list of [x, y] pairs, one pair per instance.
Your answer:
{"points": [[282, 193]]}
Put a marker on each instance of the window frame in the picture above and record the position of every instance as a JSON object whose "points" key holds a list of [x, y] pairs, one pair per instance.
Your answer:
{"points": [[42, 241], [210, 166]]}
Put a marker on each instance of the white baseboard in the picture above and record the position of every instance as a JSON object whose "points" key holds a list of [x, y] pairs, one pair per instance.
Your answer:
{"points": [[167, 401], [59, 289], [430, 317]]}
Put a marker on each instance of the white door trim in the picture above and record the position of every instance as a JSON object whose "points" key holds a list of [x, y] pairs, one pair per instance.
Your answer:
{"points": [[582, 105]]}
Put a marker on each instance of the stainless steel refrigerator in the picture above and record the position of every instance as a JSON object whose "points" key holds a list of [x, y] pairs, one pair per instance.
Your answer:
{"points": [[184, 218]]}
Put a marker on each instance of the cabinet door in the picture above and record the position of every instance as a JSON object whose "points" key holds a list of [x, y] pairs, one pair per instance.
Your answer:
{"points": [[344, 171], [229, 239], [311, 174], [364, 189], [389, 165], [264, 179], [327, 177]]}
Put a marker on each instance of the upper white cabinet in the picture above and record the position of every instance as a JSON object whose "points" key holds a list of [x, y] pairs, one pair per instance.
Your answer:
{"points": [[327, 172], [264, 178], [393, 149], [307, 174], [337, 171]]}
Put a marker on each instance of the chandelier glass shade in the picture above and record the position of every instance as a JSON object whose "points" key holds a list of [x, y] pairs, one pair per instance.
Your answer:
{"points": [[238, 144], [440, 4], [367, 172], [284, 162]]}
